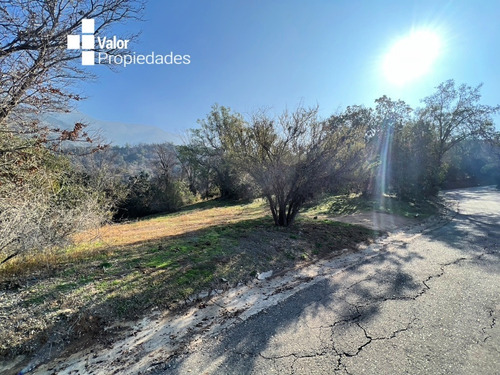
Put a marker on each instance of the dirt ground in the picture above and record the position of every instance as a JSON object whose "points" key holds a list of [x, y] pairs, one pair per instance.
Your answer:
{"points": [[377, 220]]}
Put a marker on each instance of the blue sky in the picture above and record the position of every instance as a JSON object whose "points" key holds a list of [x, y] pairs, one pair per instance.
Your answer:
{"points": [[276, 53]]}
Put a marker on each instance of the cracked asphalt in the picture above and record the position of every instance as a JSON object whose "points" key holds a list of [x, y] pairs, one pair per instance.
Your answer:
{"points": [[429, 303]]}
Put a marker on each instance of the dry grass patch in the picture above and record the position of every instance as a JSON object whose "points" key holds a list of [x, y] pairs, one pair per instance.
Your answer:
{"points": [[155, 229], [158, 263]]}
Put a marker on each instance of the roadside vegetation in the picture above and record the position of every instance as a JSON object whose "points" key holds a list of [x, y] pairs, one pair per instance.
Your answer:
{"points": [[347, 204], [91, 235]]}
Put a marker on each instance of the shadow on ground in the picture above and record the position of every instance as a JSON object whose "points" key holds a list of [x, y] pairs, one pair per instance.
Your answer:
{"points": [[350, 298], [76, 302], [473, 230], [473, 221], [326, 303]]}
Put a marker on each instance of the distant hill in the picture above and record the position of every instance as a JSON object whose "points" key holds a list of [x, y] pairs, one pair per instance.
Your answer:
{"points": [[117, 133]]}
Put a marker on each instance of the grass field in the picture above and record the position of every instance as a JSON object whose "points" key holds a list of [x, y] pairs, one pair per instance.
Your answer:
{"points": [[125, 270], [353, 203]]}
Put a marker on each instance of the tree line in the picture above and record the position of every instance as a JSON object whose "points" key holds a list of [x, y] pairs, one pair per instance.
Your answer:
{"points": [[293, 157], [49, 191], [287, 159]]}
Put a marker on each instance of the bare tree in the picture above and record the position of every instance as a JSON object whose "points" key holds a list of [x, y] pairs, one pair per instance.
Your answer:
{"points": [[166, 160], [42, 203], [294, 156], [47, 208], [37, 71]]}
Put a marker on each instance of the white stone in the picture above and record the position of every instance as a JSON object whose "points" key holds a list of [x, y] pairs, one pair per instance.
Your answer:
{"points": [[264, 275]]}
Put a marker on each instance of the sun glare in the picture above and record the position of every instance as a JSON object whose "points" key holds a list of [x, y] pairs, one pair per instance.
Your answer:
{"points": [[411, 57]]}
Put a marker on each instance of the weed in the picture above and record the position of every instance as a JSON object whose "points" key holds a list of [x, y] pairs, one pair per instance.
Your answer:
{"points": [[196, 275], [64, 287], [161, 262], [36, 300], [86, 279]]}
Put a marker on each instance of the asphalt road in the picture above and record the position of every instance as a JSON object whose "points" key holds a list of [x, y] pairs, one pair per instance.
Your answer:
{"points": [[428, 303]]}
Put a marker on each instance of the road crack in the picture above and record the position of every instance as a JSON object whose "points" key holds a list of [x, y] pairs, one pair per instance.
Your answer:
{"points": [[369, 340], [492, 324], [295, 355]]}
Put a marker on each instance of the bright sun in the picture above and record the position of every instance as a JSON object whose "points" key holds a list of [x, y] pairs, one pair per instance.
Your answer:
{"points": [[411, 57]]}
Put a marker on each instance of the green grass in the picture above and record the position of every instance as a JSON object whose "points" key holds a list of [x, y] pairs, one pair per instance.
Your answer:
{"points": [[354, 203]]}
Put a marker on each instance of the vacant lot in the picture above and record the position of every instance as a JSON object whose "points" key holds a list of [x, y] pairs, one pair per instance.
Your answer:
{"points": [[125, 270]]}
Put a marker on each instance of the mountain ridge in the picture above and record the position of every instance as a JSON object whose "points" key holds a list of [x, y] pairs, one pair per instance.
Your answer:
{"points": [[115, 132]]}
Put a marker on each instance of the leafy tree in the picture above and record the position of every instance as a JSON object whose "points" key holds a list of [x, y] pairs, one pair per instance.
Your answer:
{"points": [[166, 188], [139, 197], [209, 148], [161, 191], [493, 166], [387, 119], [470, 163], [408, 148], [414, 172], [192, 171], [359, 175], [455, 114]]}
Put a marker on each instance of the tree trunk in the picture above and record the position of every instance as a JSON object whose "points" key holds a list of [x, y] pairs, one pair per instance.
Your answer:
{"points": [[272, 206]]}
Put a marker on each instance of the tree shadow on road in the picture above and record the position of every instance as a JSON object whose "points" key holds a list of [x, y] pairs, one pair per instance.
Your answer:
{"points": [[474, 228], [306, 324], [276, 337]]}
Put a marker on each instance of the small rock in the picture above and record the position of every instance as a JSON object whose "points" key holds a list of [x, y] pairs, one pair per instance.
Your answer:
{"points": [[264, 275], [203, 295]]}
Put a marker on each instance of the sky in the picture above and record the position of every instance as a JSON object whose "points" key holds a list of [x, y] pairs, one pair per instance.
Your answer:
{"points": [[275, 54]]}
